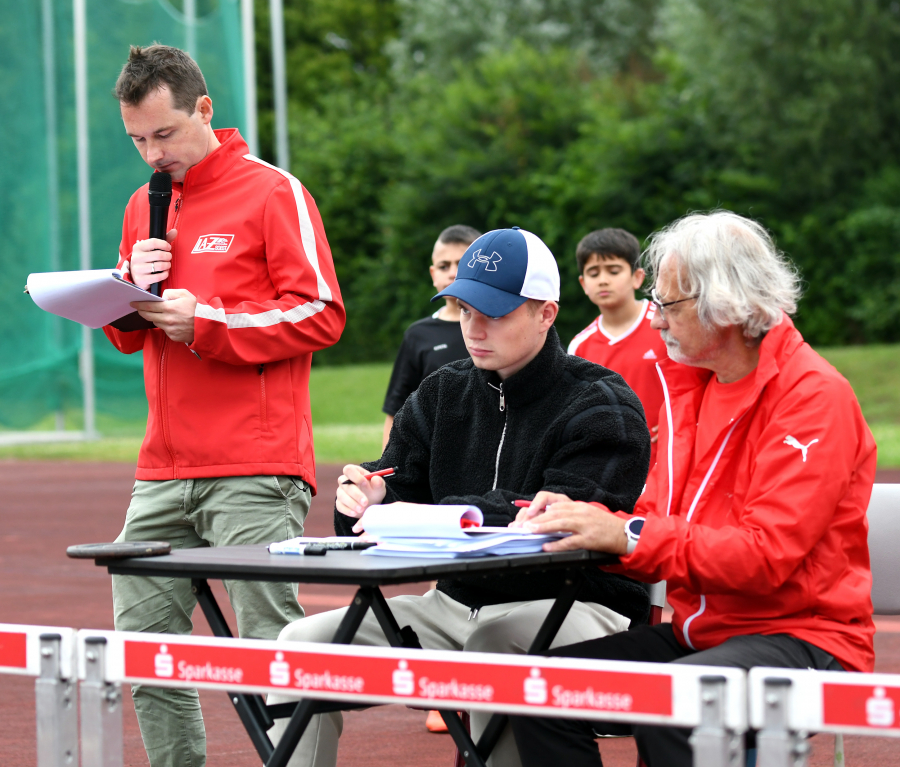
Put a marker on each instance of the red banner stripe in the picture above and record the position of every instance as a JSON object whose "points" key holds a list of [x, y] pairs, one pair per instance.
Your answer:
{"points": [[13, 649], [427, 680], [861, 705]]}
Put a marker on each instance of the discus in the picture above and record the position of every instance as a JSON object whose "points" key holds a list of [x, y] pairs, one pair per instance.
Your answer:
{"points": [[118, 550]]}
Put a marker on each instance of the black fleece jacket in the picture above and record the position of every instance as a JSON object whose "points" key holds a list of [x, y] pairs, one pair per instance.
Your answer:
{"points": [[561, 424]]}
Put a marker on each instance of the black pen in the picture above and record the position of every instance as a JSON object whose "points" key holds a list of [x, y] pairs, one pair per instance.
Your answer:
{"points": [[343, 545], [318, 549]]}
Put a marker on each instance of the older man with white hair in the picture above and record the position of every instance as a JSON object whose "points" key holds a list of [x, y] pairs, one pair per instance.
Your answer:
{"points": [[755, 513]]}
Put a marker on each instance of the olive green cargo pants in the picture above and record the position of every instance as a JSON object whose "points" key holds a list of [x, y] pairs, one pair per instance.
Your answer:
{"points": [[194, 513]]}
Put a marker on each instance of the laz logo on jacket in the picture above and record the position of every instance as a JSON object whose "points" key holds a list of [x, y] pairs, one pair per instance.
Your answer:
{"points": [[213, 243]]}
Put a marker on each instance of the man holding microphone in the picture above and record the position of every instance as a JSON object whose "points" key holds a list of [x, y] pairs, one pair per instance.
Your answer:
{"points": [[250, 292]]}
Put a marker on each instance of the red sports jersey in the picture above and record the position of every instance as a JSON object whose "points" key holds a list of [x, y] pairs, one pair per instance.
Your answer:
{"points": [[633, 355]]}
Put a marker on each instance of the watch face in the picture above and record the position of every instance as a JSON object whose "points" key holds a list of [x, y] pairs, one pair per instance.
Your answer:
{"points": [[635, 526]]}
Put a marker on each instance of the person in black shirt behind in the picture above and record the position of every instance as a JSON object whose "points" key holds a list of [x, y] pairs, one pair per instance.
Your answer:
{"points": [[430, 343]]}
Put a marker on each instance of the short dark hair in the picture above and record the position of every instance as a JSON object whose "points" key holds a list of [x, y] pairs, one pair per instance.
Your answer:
{"points": [[153, 66], [459, 234], [608, 243]]}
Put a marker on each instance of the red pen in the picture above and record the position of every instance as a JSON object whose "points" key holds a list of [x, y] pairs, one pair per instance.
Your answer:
{"points": [[385, 473], [522, 504]]}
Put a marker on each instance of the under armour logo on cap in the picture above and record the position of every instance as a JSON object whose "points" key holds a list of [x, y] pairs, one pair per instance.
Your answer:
{"points": [[528, 270], [490, 260]]}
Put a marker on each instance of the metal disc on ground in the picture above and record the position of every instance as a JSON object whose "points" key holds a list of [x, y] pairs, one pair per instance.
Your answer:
{"points": [[118, 550]]}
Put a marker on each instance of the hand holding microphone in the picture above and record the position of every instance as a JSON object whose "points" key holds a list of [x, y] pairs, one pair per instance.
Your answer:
{"points": [[151, 263], [151, 259]]}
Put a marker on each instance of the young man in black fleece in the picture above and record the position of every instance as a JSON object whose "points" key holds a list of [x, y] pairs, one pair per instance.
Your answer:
{"points": [[518, 417]]}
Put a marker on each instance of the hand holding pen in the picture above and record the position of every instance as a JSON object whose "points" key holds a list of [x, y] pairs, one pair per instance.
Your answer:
{"points": [[530, 509], [358, 489]]}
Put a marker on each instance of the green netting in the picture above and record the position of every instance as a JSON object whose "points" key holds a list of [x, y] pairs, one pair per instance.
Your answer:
{"points": [[39, 353]]}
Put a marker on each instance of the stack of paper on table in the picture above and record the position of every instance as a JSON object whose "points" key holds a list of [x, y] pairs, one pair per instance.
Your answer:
{"points": [[423, 530]]}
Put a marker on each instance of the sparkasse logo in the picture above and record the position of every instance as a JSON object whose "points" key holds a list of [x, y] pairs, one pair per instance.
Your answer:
{"points": [[213, 243]]}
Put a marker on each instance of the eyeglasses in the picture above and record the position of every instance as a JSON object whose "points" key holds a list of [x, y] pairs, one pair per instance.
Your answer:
{"points": [[660, 306]]}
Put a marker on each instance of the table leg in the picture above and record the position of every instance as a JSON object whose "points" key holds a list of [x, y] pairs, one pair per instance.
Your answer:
{"points": [[307, 707], [406, 637], [396, 636], [465, 744], [542, 641], [250, 708]]}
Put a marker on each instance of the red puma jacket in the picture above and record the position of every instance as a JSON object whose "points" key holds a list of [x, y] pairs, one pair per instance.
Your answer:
{"points": [[251, 247], [767, 533]]}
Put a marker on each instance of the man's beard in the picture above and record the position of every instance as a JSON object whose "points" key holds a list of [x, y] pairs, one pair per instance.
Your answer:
{"points": [[673, 348]]}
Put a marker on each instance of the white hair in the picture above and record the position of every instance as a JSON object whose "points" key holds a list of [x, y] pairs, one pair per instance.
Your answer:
{"points": [[733, 267]]}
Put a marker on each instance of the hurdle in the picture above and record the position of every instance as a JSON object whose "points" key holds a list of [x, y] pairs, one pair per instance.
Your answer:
{"points": [[786, 705], [48, 653], [712, 700]]}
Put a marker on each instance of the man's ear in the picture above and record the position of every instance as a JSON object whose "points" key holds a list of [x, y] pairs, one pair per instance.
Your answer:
{"points": [[205, 108], [638, 277], [548, 312]]}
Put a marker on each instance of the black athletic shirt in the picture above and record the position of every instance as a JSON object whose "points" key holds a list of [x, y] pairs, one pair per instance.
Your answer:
{"points": [[427, 345]]}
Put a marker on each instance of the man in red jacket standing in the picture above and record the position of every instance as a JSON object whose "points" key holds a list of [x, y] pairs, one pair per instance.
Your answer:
{"points": [[755, 513], [251, 292]]}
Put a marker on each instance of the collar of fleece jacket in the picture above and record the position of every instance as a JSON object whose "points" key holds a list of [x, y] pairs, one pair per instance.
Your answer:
{"points": [[535, 379]]}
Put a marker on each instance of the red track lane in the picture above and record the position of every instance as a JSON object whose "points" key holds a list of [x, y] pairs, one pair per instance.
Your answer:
{"points": [[49, 506]]}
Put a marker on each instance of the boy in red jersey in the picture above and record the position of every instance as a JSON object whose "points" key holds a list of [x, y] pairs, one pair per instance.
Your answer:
{"points": [[621, 338]]}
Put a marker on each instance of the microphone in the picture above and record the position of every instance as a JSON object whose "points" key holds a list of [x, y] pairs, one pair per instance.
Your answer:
{"points": [[160, 197]]}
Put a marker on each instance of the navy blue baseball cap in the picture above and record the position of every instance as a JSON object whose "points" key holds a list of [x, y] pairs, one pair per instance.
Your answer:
{"points": [[502, 269]]}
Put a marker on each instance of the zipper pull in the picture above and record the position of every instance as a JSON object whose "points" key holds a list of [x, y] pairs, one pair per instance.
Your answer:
{"points": [[177, 203], [259, 370], [502, 399]]}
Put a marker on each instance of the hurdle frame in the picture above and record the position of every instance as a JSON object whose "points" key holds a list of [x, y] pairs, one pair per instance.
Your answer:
{"points": [[710, 699], [48, 653], [786, 705]]}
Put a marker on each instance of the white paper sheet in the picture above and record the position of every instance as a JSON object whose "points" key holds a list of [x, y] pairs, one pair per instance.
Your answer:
{"points": [[92, 297]]}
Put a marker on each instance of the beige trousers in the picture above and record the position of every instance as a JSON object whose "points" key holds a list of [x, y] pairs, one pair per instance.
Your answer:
{"points": [[442, 623]]}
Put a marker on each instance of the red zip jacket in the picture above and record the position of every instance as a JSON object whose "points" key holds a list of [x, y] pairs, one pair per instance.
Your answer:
{"points": [[767, 534], [251, 247]]}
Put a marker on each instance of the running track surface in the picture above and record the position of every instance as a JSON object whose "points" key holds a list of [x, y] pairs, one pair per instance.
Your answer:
{"points": [[49, 506]]}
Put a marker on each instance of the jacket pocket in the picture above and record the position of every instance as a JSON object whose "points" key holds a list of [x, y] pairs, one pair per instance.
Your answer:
{"points": [[289, 487], [263, 407]]}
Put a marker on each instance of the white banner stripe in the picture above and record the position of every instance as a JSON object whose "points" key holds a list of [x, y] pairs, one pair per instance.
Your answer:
{"points": [[307, 233], [261, 320]]}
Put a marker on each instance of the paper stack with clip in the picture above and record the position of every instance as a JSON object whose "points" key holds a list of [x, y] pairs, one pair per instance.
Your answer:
{"points": [[444, 532]]}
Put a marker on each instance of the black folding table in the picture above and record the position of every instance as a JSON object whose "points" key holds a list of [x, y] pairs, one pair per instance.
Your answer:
{"points": [[254, 563]]}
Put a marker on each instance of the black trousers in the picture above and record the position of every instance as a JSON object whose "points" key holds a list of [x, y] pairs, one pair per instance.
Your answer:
{"points": [[546, 741]]}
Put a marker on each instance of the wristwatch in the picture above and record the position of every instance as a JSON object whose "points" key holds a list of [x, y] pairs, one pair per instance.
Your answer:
{"points": [[633, 529]]}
